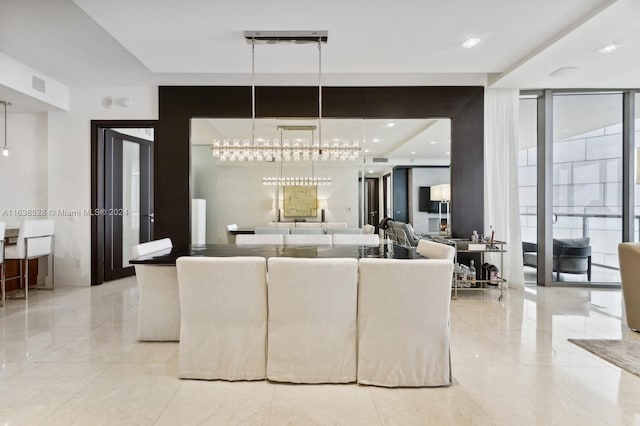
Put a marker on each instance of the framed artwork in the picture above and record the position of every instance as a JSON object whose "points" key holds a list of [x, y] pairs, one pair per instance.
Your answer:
{"points": [[300, 201]]}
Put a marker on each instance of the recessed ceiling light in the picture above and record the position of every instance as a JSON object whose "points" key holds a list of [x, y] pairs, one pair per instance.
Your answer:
{"points": [[366, 150], [376, 140], [433, 142], [609, 48], [561, 72], [447, 153], [336, 139], [471, 42], [413, 153], [370, 171], [390, 124]]}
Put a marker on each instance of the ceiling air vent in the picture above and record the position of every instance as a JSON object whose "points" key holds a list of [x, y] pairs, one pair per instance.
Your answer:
{"points": [[38, 84], [380, 160]]}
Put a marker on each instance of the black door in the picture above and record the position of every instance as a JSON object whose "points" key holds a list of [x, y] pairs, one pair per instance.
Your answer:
{"points": [[373, 202], [128, 200]]}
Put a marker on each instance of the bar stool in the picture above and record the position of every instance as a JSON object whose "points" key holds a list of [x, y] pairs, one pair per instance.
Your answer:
{"points": [[35, 239]]}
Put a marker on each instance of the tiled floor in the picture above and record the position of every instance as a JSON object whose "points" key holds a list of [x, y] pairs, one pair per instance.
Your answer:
{"points": [[72, 358]]}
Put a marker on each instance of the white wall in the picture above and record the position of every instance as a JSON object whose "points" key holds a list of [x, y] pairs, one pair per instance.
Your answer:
{"points": [[69, 169], [424, 176], [241, 198], [23, 174]]}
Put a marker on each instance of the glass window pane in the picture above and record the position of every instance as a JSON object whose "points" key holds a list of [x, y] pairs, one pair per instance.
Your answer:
{"points": [[130, 199], [528, 180], [587, 185]]}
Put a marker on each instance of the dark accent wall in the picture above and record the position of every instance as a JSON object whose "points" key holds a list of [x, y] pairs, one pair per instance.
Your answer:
{"points": [[178, 104], [400, 195]]}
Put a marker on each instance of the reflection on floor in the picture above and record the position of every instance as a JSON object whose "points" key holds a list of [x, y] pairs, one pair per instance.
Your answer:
{"points": [[598, 275], [72, 356]]}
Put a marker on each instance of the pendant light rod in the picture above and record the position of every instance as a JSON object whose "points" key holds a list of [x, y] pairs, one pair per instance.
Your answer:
{"points": [[5, 150], [253, 92], [319, 92]]}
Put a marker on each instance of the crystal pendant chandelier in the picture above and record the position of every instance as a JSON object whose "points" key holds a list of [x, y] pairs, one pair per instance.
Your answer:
{"points": [[296, 180], [279, 150]]}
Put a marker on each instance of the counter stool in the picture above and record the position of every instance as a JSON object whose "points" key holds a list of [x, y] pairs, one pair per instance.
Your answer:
{"points": [[35, 239]]}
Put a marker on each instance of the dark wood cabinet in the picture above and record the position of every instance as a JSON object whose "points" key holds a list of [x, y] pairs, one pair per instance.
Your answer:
{"points": [[12, 271]]}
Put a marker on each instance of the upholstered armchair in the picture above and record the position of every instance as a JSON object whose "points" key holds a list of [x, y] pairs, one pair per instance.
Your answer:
{"points": [[570, 256]]}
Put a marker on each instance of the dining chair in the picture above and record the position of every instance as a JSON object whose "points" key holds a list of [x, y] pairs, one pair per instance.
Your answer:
{"points": [[307, 239], [231, 238], [356, 239], [334, 225], [312, 306], [158, 304], [344, 231], [307, 231], [223, 333], [403, 322], [35, 239], [308, 225], [2, 272], [368, 229], [433, 250], [257, 239]]}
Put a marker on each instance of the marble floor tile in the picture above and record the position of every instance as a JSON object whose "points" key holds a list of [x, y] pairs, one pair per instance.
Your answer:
{"points": [[71, 356], [200, 402], [334, 404]]}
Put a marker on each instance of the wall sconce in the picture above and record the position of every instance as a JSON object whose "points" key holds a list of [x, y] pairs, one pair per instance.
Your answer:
{"points": [[5, 149], [323, 205]]}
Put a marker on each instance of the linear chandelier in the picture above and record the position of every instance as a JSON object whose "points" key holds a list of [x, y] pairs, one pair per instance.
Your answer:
{"points": [[296, 180], [261, 150]]}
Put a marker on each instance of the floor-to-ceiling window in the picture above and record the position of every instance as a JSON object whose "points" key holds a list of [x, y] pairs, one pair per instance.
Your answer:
{"points": [[587, 185]]}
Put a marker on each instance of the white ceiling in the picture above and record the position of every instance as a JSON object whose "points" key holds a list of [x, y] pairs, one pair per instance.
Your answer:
{"points": [[371, 42]]}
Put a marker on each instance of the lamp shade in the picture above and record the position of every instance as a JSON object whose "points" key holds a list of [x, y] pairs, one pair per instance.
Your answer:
{"points": [[322, 204], [441, 192]]}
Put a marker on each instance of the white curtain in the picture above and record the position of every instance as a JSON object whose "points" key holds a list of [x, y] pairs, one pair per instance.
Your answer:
{"points": [[502, 207]]}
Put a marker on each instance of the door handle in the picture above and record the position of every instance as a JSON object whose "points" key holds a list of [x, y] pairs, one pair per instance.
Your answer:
{"points": [[151, 217]]}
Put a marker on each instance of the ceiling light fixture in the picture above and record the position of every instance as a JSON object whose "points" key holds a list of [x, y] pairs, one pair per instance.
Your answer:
{"points": [[609, 48], [295, 180], [390, 124], [281, 150], [433, 142], [5, 149], [471, 42], [561, 72], [413, 153]]}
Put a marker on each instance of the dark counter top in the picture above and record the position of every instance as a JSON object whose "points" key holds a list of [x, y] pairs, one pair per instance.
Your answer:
{"points": [[383, 251]]}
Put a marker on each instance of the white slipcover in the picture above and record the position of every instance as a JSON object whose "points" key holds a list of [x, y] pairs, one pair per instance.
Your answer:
{"points": [[249, 239], [403, 322], [224, 317], [312, 320], [308, 224], [356, 239], [334, 225], [158, 301], [434, 250]]}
